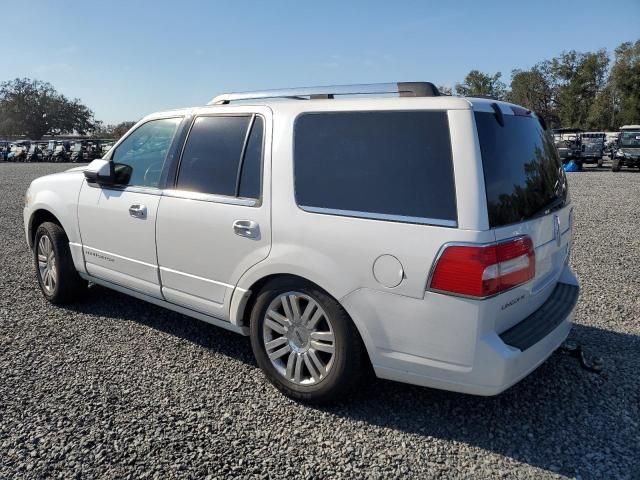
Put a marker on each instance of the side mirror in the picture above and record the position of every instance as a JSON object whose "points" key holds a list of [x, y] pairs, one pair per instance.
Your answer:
{"points": [[100, 172]]}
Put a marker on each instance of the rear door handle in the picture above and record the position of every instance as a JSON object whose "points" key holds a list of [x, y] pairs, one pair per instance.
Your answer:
{"points": [[246, 228], [138, 211]]}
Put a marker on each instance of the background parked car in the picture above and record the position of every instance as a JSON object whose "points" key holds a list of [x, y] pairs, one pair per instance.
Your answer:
{"points": [[567, 141], [592, 147], [18, 152], [4, 150], [627, 150], [60, 153], [78, 151], [34, 154]]}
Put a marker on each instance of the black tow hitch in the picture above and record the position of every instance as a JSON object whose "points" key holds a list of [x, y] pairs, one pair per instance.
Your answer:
{"points": [[589, 363]]}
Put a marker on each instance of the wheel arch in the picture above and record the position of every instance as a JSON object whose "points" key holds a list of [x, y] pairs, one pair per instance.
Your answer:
{"points": [[244, 299], [37, 218]]}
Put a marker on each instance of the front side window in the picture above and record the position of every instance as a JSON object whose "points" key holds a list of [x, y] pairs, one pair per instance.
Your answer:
{"points": [[394, 165], [223, 156], [140, 157]]}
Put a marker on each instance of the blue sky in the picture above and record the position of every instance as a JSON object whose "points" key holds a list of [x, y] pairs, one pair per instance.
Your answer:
{"points": [[126, 59]]}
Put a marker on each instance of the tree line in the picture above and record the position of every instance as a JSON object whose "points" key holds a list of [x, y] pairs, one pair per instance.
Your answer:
{"points": [[33, 108], [588, 90]]}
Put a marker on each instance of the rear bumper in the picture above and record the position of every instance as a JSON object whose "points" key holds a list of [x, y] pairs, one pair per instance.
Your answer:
{"points": [[488, 362]]}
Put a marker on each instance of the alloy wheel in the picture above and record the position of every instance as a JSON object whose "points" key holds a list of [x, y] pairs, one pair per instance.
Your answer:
{"points": [[47, 264], [299, 338]]}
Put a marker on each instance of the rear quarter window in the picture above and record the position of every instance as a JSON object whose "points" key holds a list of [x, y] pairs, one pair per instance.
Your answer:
{"points": [[390, 165]]}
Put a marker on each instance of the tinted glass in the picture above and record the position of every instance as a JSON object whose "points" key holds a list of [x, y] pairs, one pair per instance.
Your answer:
{"points": [[252, 165], [523, 174], [212, 155], [630, 139], [390, 163], [143, 152]]}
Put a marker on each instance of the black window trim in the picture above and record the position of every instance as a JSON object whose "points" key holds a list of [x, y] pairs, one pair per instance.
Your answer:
{"points": [[435, 222], [171, 189]]}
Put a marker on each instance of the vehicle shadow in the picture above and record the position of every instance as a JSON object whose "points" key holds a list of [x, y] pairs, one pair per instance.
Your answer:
{"points": [[560, 418]]}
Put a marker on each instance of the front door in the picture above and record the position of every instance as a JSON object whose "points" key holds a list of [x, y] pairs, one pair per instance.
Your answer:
{"points": [[215, 224], [117, 223]]}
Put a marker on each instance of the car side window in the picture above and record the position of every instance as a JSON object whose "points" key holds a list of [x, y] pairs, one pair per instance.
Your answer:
{"points": [[139, 159], [223, 157]]}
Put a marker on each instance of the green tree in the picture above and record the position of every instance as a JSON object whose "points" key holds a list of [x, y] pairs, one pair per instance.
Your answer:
{"points": [[625, 84], [34, 108], [533, 89], [578, 79], [478, 84]]}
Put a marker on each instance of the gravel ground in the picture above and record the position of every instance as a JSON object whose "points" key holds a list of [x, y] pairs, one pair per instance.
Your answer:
{"points": [[117, 388]]}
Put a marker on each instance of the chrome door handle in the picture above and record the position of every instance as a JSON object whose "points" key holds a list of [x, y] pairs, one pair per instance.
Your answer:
{"points": [[138, 211], [246, 228]]}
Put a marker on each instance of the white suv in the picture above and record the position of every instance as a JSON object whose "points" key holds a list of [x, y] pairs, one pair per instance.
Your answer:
{"points": [[342, 228]]}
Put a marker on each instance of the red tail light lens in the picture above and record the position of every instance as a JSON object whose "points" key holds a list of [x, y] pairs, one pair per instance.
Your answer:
{"points": [[483, 271]]}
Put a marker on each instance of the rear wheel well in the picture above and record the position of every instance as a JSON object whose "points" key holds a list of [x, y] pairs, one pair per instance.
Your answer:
{"points": [[38, 218], [245, 315]]}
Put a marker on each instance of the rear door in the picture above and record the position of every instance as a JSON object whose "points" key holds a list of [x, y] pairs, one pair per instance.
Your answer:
{"points": [[526, 195], [215, 223]]}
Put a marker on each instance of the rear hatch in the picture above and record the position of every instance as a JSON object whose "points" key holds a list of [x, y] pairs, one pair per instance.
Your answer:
{"points": [[527, 194]]}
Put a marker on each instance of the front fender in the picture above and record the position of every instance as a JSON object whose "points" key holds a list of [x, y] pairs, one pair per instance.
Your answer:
{"points": [[58, 195]]}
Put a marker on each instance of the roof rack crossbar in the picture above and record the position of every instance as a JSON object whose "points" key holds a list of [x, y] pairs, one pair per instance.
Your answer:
{"points": [[403, 89]]}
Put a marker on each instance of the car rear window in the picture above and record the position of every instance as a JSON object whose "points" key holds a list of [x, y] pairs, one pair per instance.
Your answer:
{"points": [[522, 172], [389, 165]]}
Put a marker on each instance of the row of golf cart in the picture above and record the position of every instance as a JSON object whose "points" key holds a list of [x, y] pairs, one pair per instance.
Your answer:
{"points": [[77, 151], [579, 147]]}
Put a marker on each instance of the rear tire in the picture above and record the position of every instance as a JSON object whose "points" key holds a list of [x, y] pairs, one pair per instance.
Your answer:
{"points": [[615, 165], [317, 355], [59, 281]]}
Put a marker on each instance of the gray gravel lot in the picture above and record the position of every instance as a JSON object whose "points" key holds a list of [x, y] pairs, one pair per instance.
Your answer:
{"points": [[114, 387]]}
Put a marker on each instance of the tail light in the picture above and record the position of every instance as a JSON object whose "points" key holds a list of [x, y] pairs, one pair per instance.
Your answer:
{"points": [[484, 270]]}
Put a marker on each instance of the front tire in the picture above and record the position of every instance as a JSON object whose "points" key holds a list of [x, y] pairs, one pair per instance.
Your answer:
{"points": [[59, 281], [305, 342]]}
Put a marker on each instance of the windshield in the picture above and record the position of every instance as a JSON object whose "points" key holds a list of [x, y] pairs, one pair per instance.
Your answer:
{"points": [[630, 139], [523, 174]]}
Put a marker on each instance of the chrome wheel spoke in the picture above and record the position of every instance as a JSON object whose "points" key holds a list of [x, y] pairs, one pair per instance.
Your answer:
{"points": [[297, 375], [273, 345], [323, 347], [291, 362], [286, 306], [313, 321], [317, 363], [322, 336]]}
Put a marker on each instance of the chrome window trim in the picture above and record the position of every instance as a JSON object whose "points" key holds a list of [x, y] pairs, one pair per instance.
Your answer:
{"points": [[127, 188], [210, 197], [436, 222]]}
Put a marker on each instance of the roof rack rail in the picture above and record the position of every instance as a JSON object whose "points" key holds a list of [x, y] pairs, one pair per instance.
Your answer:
{"points": [[403, 89]]}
